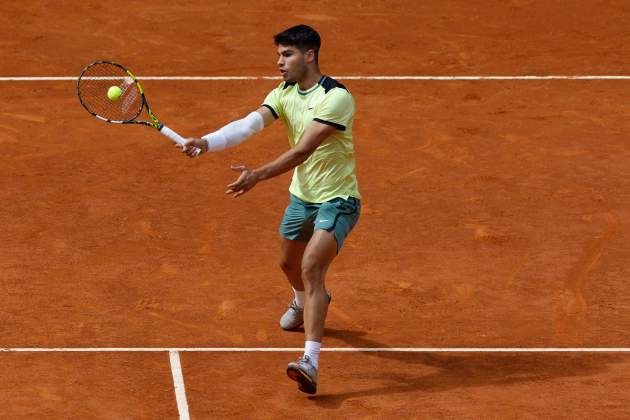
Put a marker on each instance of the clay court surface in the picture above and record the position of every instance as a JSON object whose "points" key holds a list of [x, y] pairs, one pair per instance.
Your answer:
{"points": [[495, 214]]}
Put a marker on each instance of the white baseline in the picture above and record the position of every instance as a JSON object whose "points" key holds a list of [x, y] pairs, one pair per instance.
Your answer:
{"points": [[376, 77], [172, 350]]}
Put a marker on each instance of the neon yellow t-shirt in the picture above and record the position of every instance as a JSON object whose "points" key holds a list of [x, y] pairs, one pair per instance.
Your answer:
{"points": [[330, 171]]}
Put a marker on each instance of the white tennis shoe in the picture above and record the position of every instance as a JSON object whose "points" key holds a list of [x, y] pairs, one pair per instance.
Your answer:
{"points": [[294, 316], [304, 373]]}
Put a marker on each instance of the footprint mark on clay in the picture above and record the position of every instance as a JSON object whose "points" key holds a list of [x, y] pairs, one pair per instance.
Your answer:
{"points": [[486, 234], [148, 303], [572, 304], [170, 269], [147, 229]]}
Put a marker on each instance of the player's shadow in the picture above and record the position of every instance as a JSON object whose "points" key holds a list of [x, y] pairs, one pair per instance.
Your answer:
{"points": [[439, 372]]}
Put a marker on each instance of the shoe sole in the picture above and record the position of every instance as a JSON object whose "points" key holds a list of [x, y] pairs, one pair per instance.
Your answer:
{"points": [[305, 384]]}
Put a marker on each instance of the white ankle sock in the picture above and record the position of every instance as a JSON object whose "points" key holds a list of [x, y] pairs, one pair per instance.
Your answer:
{"points": [[299, 297], [311, 349]]}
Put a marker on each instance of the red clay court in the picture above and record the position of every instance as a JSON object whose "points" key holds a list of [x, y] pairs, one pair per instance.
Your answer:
{"points": [[494, 231]]}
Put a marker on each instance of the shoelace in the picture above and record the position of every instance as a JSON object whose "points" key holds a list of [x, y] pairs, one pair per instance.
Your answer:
{"points": [[295, 306]]}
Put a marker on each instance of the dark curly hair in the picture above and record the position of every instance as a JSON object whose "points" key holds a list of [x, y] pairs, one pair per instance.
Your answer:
{"points": [[301, 36]]}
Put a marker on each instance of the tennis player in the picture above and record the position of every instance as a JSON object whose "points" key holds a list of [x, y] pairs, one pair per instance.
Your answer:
{"points": [[324, 201]]}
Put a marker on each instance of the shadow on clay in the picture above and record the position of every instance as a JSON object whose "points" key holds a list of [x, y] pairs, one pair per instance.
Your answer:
{"points": [[456, 370]]}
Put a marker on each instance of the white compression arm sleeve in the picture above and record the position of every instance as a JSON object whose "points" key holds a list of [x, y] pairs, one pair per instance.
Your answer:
{"points": [[235, 132]]}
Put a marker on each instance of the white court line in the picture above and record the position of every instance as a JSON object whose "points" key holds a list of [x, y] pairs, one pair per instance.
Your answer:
{"points": [[328, 349], [178, 383], [428, 77]]}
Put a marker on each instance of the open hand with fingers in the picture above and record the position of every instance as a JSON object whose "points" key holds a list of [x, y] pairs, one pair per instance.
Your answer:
{"points": [[245, 182], [193, 146]]}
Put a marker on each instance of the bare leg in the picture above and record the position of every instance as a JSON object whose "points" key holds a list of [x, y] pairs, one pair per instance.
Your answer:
{"points": [[291, 261], [319, 253]]}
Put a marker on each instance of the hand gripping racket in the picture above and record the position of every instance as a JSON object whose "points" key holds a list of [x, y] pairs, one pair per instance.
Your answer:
{"points": [[93, 85]]}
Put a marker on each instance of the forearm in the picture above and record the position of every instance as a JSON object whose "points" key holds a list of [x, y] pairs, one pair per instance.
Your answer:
{"points": [[282, 164], [314, 135]]}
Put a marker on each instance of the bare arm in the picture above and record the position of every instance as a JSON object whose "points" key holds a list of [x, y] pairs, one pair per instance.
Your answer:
{"points": [[267, 115], [314, 135]]}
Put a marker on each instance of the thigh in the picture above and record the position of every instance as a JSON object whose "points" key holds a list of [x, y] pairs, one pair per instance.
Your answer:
{"points": [[297, 222], [320, 252], [292, 253]]}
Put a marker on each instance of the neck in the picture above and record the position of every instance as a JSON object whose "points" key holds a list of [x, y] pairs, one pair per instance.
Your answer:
{"points": [[310, 79]]}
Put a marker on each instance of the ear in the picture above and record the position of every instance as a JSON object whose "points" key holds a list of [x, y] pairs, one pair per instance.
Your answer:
{"points": [[309, 55]]}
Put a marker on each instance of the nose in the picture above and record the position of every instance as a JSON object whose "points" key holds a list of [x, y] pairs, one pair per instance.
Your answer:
{"points": [[280, 61]]}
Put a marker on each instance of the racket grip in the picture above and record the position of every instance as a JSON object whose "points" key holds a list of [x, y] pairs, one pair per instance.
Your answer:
{"points": [[176, 138]]}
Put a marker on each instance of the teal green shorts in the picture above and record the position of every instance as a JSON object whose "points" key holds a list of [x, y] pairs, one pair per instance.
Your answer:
{"points": [[301, 218]]}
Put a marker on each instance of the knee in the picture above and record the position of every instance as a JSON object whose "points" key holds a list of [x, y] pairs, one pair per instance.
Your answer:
{"points": [[311, 272]]}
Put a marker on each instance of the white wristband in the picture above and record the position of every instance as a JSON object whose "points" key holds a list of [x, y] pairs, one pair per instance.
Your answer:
{"points": [[235, 132]]}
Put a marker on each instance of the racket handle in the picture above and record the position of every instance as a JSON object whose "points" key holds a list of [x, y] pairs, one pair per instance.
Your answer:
{"points": [[176, 138]]}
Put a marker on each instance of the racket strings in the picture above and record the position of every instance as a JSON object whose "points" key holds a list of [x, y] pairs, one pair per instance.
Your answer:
{"points": [[93, 85]]}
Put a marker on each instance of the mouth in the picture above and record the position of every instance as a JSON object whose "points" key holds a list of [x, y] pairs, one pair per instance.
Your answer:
{"points": [[283, 72]]}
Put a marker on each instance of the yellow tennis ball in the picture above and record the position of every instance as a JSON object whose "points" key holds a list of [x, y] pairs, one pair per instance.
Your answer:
{"points": [[113, 93]]}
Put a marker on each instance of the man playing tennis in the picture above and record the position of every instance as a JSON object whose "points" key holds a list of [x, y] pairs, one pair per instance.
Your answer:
{"points": [[324, 203]]}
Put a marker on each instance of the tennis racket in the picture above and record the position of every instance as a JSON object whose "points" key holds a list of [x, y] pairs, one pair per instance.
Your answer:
{"points": [[93, 85]]}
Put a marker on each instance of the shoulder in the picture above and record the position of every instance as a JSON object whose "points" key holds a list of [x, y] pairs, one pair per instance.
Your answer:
{"points": [[331, 85], [336, 95], [287, 85], [283, 88]]}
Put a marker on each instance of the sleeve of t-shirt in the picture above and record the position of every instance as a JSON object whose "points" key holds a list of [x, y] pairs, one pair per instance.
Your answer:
{"points": [[336, 109], [272, 102]]}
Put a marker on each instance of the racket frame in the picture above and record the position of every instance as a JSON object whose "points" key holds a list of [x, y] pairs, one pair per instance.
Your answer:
{"points": [[155, 122]]}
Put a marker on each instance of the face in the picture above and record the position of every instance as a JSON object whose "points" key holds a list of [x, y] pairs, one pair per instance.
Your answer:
{"points": [[292, 62]]}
